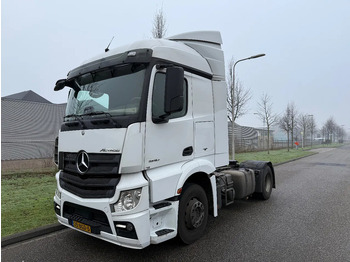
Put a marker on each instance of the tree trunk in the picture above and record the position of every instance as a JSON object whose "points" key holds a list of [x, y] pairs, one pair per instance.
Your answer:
{"points": [[268, 139]]}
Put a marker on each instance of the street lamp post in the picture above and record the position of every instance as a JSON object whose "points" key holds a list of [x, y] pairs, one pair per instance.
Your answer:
{"points": [[232, 99]]}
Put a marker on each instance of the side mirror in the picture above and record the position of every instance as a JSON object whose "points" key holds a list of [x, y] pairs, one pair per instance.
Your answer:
{"points": [[173, 97], [60, 84]]}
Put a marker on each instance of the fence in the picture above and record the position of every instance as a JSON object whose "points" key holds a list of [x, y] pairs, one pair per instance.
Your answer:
{"points": [[260, 144], [21, 150], [28, 129]]}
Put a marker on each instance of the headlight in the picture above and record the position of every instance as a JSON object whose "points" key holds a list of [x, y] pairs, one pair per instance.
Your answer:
{"points": [[128, 200], [55, 154], [58, 193]]}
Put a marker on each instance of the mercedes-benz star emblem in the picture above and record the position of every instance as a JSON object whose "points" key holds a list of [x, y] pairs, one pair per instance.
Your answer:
{"points": [[83, 162]]}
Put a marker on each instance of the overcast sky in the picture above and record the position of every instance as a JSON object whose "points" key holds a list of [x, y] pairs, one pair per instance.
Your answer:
{"points": [[307, 45]]}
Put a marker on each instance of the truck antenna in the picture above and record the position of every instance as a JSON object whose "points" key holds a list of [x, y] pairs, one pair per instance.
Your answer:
{"points": [[107, 49]]}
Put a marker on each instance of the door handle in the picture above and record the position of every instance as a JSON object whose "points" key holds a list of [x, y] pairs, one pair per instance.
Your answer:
{"points": [[187, 151]]}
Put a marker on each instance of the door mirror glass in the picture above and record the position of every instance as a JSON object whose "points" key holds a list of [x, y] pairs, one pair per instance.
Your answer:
{"points": [[173, 98], [158, 100]]}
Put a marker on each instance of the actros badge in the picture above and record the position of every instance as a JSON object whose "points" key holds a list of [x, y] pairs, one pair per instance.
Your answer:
{"points": [[82, 162]]}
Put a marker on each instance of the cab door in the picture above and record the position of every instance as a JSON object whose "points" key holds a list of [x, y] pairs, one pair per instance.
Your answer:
{"points": [[170, 141]]}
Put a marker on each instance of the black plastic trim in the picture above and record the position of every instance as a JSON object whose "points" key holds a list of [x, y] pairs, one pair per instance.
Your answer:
{"points": [[96, 219], [161, 205], [187, 151], [99, 122], [164, 232], [93, 187], [192, 70]]}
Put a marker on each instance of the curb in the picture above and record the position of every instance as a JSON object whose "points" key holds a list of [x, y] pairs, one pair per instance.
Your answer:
{"points": [[26, 235]]}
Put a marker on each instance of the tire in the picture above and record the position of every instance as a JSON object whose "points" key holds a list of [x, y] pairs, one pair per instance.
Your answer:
{"points": [[193, 213], [267, 184]]}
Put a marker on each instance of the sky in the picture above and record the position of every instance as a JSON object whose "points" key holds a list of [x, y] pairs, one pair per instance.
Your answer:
{"points": [[307, 45]]}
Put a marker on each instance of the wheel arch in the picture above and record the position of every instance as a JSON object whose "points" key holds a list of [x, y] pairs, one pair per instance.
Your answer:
{"points": [[201, 179], [198, 172]]}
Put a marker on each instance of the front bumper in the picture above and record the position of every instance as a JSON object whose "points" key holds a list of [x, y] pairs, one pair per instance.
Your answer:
{"points": [[140, 222], [94, 216]]}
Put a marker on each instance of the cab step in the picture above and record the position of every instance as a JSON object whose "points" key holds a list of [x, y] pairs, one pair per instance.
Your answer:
{"points": [[164, 231]]}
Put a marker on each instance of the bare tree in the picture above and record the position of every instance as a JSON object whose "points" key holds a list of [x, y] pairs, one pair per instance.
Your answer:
{"points": [[265, 113], [340, 132], [285, 123], [323, 131], [312, 127], [304, 122], [293, 120], [159, 24], [241, 96], [329, 129]]}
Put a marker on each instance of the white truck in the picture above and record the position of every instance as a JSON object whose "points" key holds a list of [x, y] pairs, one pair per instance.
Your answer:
{"points": [[143, 150]]}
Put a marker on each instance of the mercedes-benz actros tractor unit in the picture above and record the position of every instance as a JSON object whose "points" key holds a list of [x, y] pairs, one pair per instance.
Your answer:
{"points": [[142, 152]]}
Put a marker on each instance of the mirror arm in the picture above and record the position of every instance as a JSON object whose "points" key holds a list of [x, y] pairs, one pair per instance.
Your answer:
{"points": [[162, 66], [158, 120], [161, 119], [76, 86]]}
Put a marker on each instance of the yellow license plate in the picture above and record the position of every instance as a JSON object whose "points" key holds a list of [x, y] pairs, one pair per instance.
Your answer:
{"points": [[82, 226]]}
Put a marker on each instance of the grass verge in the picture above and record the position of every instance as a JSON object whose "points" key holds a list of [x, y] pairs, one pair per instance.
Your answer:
{"points": [[27, 200], [275, 156], [333, 145]]}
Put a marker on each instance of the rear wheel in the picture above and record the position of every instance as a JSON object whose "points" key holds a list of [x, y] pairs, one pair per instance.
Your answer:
{"points": [[193, 213], [267, 184]]}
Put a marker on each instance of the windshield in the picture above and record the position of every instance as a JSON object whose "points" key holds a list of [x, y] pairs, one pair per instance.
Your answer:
{"points": [[116, 91]]}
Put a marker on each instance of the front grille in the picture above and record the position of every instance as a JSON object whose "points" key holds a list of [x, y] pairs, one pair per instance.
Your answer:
{"points": [[99, 164], [89, 187], [97, 219], [99, 181]]}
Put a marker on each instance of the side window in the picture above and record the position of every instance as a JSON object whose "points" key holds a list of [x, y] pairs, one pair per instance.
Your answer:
{"points": [[158, 98]]}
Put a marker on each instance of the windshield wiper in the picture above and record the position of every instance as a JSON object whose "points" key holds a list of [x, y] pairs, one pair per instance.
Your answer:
{"points": [[108, 115], [78, 118]]}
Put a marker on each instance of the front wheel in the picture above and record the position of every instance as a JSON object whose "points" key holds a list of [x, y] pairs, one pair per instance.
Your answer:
{"points": [[193, 213]]}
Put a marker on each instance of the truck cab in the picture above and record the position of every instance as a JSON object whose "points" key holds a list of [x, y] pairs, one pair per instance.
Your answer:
{"points": [[144, 143]]}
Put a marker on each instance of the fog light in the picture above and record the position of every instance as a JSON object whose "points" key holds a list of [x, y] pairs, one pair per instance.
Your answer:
{"points": [[129, 227], [125, 229], [57, 208]]}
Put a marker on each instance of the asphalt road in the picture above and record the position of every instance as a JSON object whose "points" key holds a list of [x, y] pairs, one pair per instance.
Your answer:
{"points": [[307, 218]]}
